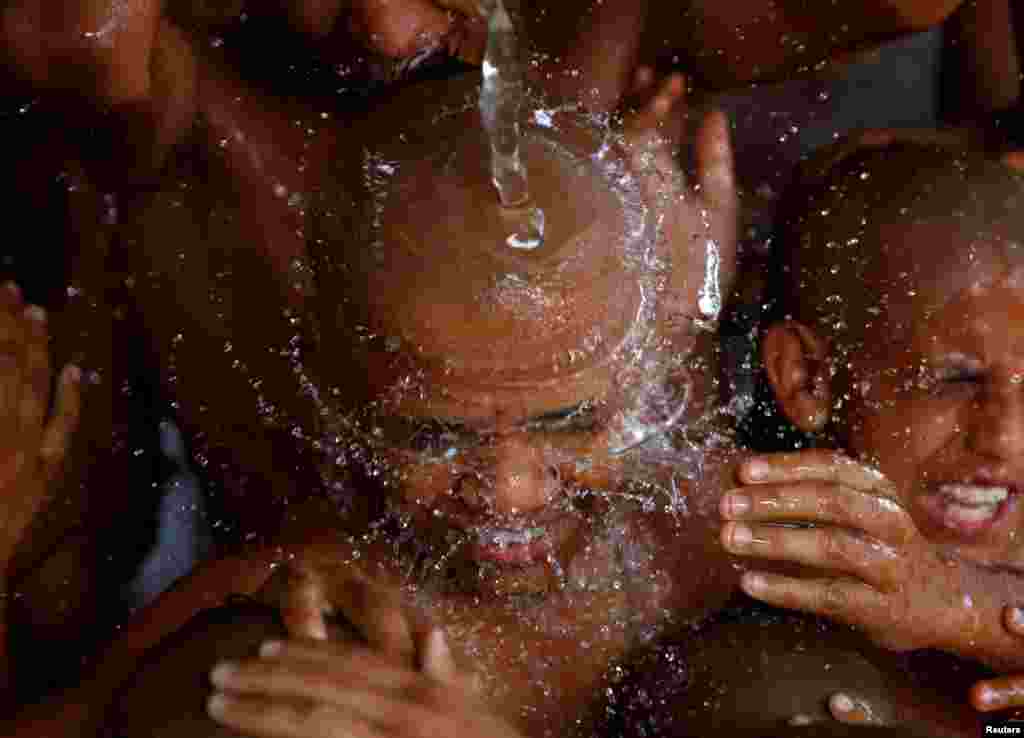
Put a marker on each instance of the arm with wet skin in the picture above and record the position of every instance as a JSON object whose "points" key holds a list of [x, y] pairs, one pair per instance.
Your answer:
{"points": [[878, 573]]}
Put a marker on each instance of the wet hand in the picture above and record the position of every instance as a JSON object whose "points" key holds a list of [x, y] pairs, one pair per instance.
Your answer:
{"points": [[33, 441], [310, 690], [701, 216], [1004, 692], [311, 588], [822, 510]]}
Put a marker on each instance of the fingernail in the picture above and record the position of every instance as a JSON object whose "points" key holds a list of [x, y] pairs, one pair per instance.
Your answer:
{"points": [[741, 536], [842, 703], [269, 649], [217, 705], [1016, 616], [436, 656], [752, 583], [756, 469], [223, 673], [736, 504], [72, 374], [35, 313]]}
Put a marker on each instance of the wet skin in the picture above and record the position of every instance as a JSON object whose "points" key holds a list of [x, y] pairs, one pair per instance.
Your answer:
{"points": [[921, 549], [546, 596], [191, 344], [136, 68]]}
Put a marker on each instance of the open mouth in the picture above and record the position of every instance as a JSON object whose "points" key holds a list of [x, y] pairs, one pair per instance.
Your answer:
{"points": [[968, 509], [515, 546]]}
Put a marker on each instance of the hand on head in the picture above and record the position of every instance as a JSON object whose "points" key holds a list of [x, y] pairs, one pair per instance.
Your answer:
{"points": [[33, 440], [400, 679], [698, 221], [844, 522]]}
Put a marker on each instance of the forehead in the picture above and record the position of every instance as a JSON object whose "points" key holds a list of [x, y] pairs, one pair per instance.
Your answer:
{"points": [[916, 268]]}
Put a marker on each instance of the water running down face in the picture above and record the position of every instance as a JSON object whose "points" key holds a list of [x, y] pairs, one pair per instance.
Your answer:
{"points": [[503, 387]]}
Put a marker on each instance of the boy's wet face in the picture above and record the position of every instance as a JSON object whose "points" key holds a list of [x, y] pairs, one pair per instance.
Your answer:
{"points": [[936, 396]]}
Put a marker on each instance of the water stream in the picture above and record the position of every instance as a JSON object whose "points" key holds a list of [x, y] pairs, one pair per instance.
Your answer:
{"points": [[501, 98]]}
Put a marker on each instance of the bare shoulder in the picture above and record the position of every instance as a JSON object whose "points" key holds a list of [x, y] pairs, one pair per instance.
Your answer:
{"points": [[757, 672]]}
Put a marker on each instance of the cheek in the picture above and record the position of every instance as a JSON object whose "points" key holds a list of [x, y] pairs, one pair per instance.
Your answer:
{"points": [[903, 434], [418, 482]]}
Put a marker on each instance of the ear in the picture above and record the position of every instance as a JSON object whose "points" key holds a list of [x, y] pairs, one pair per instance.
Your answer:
{"points": [[794, 360]]}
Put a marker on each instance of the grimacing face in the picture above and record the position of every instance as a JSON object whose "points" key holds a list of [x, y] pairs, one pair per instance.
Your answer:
{"points": [[936, 398]]}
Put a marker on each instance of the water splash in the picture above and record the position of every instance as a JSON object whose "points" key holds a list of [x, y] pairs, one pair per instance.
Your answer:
{"points": [[501, 97]]}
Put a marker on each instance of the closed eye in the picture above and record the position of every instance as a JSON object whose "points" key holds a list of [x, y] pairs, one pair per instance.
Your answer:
{"points": [[577, 417]]}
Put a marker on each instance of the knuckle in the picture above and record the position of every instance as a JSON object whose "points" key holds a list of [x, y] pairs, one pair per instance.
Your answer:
{"points": [[307, 714], [833, 504], [834, 598], [835, 548]]}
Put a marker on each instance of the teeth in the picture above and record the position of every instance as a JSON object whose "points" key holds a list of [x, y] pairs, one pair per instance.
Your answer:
{"points": [[973, 514], [508, 536], [974, 495]]}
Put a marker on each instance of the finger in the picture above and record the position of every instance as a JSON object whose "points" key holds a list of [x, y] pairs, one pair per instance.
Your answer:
{"points": [[35, 398], [820, 502], [998, 694], [67, 413], [262, 718], [436, 659], [324, 681], [850, 710], [843, 600], [714, 159], [829, 548], [374, 610], [648, 140], [303, 604], [815, 465], [650, 123], [378, 613], [1013, 619], [12, 346]]}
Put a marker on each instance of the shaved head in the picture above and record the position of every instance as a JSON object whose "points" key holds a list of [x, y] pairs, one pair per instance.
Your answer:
{"points": [[884, 226]]}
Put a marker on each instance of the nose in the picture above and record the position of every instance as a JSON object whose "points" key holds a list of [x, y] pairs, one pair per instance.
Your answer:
{"points": [[523, 481], [997, 419]]}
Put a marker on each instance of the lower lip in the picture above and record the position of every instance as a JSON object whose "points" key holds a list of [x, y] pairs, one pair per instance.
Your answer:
{"points": [[515, 554], [944, 513]]}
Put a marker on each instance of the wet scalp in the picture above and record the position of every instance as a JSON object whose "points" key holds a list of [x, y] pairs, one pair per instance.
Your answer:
{"points": [[842, 220]]}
